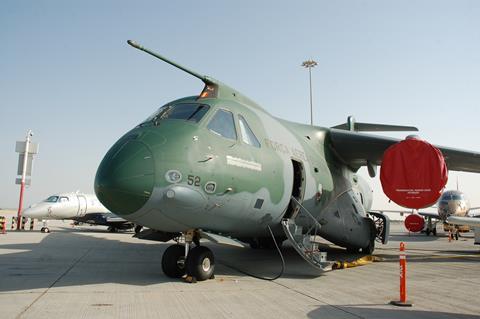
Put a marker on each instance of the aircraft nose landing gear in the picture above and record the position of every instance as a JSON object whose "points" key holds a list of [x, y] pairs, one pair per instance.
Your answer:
{"points": [[198, 263], [173, 261]]}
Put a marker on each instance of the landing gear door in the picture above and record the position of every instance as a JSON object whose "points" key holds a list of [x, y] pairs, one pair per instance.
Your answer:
{"points": [[82, 205]]}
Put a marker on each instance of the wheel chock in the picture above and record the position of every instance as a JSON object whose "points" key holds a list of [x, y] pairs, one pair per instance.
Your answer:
{"points": [[191, 279]]}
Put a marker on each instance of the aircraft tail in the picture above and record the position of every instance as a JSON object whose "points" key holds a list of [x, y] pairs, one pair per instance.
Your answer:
{"points": [[351, 125]]}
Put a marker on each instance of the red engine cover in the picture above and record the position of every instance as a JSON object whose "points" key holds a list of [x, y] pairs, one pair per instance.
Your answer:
{"points": [[414, 223], [413, 173]]}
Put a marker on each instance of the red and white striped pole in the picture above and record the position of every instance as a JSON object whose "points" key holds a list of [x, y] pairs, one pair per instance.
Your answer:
{"points": [[403, 279], [22, 184]]}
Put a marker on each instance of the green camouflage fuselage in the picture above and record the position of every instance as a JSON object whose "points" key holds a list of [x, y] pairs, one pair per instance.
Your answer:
{"points": [[228, 186]]}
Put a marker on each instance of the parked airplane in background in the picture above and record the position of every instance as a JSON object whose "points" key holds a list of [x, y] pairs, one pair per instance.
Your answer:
{"points": [[451, 203], [81, 208], [218, 166]]}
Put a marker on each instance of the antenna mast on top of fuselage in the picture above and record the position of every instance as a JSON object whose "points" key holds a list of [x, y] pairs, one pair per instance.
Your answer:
{"points": [[204, 78]]}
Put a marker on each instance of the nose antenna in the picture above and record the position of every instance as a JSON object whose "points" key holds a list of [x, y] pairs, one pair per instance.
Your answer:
{"points": [[204, 78]]}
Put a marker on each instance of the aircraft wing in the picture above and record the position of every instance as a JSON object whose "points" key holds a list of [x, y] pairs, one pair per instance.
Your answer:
{"points": [[357, 149], [470, 221], [429, 214], [424, 214], [474, 212]]}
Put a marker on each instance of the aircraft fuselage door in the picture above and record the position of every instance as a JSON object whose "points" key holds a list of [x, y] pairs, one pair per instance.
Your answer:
{"points": [[82, 205], [298, 189]]}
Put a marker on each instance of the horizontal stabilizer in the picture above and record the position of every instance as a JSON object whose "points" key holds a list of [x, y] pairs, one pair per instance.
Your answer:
{"points": [[351, 125], [371, 127]]}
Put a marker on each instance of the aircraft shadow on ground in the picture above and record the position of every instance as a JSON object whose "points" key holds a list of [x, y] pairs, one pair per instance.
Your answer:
{"points": [[369, 311], [413, 238], [68, 258], [65, 257]]}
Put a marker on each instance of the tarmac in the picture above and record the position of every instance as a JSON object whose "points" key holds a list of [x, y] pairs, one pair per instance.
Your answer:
{"points": [[87, 272]]}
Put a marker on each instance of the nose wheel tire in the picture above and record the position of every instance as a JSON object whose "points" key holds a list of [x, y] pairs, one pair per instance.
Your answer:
{"points": [[45, 230], [173, 261], [200, 263]]}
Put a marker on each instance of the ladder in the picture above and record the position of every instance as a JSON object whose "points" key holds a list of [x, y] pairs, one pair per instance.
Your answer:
{"points": [[302, 241]]}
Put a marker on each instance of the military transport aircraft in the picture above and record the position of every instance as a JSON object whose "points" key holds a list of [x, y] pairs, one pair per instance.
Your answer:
{"points": [[218, 166], [81, 208]]}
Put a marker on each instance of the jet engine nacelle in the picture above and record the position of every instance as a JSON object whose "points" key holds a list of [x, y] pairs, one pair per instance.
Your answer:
{"points": [[414, 223], [413, 173]]}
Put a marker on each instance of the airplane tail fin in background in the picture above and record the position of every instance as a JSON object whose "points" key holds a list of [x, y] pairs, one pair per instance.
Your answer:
{"points": [[351, 125]]}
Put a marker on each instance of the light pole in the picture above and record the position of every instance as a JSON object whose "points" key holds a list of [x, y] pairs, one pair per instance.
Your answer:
{"points": [[310, 64]]}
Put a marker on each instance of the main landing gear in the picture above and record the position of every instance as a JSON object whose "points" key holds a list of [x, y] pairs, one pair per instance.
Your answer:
{"points": [[431, 227], [433, 231], [197, 263]]}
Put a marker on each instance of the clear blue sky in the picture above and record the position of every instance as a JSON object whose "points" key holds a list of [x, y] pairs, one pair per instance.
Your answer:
{"points": [[67, 73]]}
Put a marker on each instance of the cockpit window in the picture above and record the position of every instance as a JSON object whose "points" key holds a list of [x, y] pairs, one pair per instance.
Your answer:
{"points": [[450, 196], [183, 111], [222, 124], [247, 134], [63, 199], [52, 199]]}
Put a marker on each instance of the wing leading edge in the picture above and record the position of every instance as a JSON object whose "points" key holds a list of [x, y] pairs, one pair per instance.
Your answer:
{"points": [[359, 149]]}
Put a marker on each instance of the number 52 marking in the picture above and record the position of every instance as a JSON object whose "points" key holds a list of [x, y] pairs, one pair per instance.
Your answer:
{"points": [[193, 180]]}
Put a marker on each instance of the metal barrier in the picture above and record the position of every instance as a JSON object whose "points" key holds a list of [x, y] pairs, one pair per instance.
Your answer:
{"points": [[3, 225], [24, 220]]}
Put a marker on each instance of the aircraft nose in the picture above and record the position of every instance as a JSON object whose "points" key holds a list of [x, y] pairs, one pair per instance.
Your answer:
{"points": [[125, 177], [35, 211], [29, 212]]}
